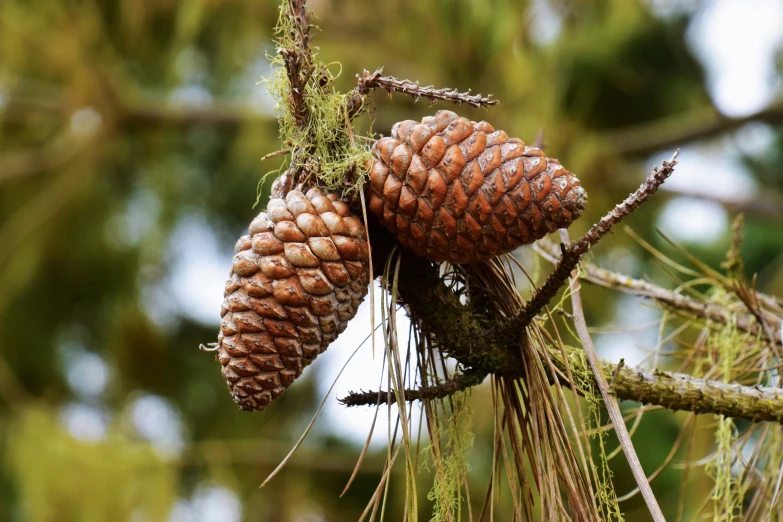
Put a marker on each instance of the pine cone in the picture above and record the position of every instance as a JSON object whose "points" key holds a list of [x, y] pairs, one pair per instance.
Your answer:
{"points": [[459, 191], [296, 281]]}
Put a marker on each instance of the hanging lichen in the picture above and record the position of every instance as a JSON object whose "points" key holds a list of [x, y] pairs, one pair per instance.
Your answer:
{"points": [[606, 495], [723, 348], [451, 462], [322, 143]]}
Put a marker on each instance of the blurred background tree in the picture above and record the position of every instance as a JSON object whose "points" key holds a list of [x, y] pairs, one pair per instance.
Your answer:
{"points": [[130, 134]]}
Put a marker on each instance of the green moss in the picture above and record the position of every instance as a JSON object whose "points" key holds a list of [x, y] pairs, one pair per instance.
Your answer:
{"points": [[325, 144]]}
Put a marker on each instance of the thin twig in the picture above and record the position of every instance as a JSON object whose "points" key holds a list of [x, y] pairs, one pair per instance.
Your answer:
{"points": [[368, 81], [449, 387], [609, 400], [572, 254], [281, 152], [616, 371], [671, 300]]}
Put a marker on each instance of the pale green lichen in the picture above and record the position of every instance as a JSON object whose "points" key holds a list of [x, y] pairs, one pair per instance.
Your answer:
{"points": [[326, 143], [606, 495], [723, 348], [450, 462]]}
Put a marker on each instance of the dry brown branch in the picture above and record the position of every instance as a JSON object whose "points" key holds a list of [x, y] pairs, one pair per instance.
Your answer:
{"points": [[368, 81], [572, 254], [448, 387], [678, 130], [674, 391]]}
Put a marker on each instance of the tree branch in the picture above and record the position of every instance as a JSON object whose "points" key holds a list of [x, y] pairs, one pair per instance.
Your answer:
{"points": [[465, 334], [678, 130], [480, 343], [678, 391], [610, 402], [449, 387], [299, 60], [369, 81], [671, 300]]}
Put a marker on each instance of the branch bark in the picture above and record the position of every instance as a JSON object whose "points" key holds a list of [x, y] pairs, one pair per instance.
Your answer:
{"points": [[368, 81], [672, 300], [299, 60], [678, 391]]}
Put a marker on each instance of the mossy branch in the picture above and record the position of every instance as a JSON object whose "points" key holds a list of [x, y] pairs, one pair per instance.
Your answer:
{"points": [[467, 335], [474, 340], [678, 391], [298, 58], [312, 113]]}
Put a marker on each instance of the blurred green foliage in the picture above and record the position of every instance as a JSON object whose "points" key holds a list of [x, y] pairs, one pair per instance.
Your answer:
{"points": [[120, 120], [61, 478]]}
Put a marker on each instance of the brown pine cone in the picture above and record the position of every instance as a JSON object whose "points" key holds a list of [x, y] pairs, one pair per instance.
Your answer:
{"points": [[459, 191], [296, 281]]}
